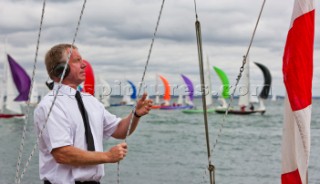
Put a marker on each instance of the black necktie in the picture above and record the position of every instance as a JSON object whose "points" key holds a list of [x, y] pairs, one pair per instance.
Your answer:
{"points": [[84, 115]]}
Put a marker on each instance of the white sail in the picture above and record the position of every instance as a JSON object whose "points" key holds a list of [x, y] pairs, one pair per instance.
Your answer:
{"points": [[253, 98], [188, 101], [180, 100], [126, 100], [244, 87], [223, 103], [261, 105], [34, 94], [253, 95], [157, 98], [129, 90], [103, 91]]}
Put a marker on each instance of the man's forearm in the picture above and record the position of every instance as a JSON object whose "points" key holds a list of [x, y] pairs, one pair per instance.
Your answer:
{"points": [[71, 155]]}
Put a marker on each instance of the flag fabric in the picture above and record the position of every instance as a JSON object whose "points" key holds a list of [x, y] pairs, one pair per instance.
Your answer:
{"points": [[297, 75]]}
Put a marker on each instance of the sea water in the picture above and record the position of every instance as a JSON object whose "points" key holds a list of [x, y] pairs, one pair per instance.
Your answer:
{"points": [[169, 147]]}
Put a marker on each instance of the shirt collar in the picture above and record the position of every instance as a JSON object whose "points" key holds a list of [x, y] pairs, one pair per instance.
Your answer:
{"points": [[64, 89]]}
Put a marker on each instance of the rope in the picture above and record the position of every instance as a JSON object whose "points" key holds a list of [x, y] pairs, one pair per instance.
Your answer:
{"points": [[142, 81], [55, 97], [238, 78], [29, 96]]}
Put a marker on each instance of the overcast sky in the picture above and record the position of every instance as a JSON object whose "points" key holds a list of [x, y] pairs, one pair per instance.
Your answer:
{"points": [[115, 37]]}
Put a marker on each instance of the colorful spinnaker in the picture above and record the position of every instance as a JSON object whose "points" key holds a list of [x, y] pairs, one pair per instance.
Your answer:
{"points": [[166, 96], [88, 85], [225, 86], [17, 89], [264, 94], [225, 82], [21, 79], [134, 90], [190, 91]]}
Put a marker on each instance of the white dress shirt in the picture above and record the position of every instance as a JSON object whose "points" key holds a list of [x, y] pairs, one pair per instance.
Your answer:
{"points": [[65, 127]]}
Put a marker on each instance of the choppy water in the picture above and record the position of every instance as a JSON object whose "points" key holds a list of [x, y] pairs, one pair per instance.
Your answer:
{"points": [[169, 147]]}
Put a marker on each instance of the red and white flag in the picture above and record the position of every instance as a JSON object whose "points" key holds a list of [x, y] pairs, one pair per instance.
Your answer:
{"points": [[297, 75]]}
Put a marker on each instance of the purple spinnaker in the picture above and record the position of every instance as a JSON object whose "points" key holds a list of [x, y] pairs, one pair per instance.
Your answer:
{"points": [[20, 78], [189, 85]]}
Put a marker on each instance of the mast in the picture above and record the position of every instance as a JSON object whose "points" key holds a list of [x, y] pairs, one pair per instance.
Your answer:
{"points": [[244, 96], [205, 114]]}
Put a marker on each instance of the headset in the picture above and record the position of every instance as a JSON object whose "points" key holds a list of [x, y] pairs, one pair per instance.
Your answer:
{"points": [[57, 72]]}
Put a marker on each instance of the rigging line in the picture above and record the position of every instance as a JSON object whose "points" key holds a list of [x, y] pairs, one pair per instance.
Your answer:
{"points": [[29, 95], [204, 103], [145, 68], [238, 78], [55, 96], [142, 81]]}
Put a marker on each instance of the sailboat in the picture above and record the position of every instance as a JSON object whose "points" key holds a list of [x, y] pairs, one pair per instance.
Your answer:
{"points": [[187, 104], [209, 100], [245, 103], [165, 105], [225, 88], [166, 96], [128, 99], [188, 98], [17, 90], [156, 104], [103, 91]]}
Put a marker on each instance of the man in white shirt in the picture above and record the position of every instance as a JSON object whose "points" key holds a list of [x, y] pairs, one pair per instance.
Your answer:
{"points": [[64, 156]]}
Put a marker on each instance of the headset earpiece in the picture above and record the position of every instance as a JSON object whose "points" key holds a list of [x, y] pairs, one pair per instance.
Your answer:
{"points": [[58, 70]]}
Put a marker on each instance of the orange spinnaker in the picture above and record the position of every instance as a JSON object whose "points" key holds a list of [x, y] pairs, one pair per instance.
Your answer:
{"points": [[165, 82]]}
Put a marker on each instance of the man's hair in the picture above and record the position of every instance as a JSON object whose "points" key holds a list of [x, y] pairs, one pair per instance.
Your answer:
{"points": [[55, 56]]}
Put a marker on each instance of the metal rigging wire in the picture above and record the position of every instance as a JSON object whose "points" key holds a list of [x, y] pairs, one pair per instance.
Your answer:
{"points": [[238, 78], [198, 32], [29, 96], [142, 81]]}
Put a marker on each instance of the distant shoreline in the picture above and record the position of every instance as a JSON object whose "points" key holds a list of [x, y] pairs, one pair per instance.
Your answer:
{"points": [[198, 96]]}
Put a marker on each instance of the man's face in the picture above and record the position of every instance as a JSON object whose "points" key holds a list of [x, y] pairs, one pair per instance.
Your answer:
{"points": [[77, 69]]}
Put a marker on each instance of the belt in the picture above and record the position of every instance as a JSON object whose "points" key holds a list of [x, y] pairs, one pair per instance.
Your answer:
{"points": [[77, 182]]}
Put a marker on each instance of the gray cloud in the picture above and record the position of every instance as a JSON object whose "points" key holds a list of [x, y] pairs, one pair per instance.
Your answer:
{"points": [[115, 36]]}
